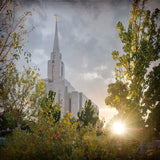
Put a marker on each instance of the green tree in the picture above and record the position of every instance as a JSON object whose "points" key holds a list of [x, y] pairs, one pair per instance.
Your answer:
{"points": [[151, 99], [25, 92], [141, 47], [88, 114], [12, 35], [152, 95], [117, 96], [49, 108], [8, 122], [20, 92]]}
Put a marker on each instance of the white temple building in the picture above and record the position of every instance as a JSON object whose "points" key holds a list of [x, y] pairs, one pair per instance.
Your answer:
{"points": [[70, 99]]}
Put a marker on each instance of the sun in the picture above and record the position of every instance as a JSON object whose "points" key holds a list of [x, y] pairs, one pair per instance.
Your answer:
{"points": [[118, 127]]}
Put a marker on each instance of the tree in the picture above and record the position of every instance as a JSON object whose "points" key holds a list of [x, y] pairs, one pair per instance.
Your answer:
{"points": [[117, 97], [151, 99], [25, 92], [153, 120], [48, 107], [8, 122], [88, 114], [19, 92], [152, 95], [12, 35], [141, 47]]}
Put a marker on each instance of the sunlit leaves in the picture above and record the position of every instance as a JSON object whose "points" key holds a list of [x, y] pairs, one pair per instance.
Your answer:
{"points": [[117, 95], [141, 46], [50, 109], [21, 91], [115, 55], [12, 33]]}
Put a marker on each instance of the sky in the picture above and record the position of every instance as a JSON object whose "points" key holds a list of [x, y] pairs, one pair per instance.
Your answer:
{"points": [[87, 37]]}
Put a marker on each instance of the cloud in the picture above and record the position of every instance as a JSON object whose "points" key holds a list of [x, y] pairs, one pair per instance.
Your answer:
{"points": [[101, 68], [90, 76], [39, 56], [151, 5], [87, 36]]}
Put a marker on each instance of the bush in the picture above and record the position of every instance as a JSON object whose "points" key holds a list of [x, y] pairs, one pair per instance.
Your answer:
{"points": [[66, 140]]}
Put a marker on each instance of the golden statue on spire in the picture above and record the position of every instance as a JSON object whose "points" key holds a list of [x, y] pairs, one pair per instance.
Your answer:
{"points": [[56, 17]]}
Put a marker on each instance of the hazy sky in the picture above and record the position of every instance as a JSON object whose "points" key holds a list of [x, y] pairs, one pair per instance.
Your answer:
{"points": [[87, 36]]}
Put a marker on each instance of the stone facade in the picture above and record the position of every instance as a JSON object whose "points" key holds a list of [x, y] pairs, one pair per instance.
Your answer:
{"points": [[70, 99]]}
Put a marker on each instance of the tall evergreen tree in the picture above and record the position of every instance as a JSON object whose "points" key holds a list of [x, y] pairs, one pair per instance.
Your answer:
{"points": [[50, 109], [88, 114]]}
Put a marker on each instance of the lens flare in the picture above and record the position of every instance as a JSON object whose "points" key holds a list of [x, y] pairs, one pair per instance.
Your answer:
{"points": [[118, 127]]}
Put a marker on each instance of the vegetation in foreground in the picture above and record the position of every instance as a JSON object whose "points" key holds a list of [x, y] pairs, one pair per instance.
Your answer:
{"points": [[68, 139]]}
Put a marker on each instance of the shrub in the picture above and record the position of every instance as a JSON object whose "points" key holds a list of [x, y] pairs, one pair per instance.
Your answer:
{"points": [[65, 140]]}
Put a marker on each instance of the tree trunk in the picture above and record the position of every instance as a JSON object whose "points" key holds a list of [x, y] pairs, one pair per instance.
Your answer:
{"points": [[18, 119]]}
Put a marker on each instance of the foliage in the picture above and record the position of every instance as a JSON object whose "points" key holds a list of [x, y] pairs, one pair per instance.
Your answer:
{"points": [[117, 98], [88, 114], [19, 92], [12, 31], [25, 91], [49, 108], [141, 47], [9, 120], [152, 94], [62, 140], [152, 98], [22, 94], [12, 38], [154, 119]]}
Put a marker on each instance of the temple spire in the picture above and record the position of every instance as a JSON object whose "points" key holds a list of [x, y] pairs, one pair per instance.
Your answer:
{"points": [[56, 43]]}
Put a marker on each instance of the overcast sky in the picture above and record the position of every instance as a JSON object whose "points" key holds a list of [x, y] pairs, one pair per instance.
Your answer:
{"points": [[87, 36]]}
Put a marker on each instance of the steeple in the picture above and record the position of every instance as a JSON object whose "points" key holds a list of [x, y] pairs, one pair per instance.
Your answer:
{"points": [[56, 43], [55, 64]]}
